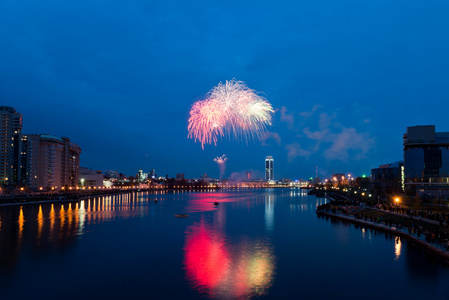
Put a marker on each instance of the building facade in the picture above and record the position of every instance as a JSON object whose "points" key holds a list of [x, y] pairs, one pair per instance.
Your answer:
{"points": [[426, 160], [90, 178], [44, 161], [59, 161], [26, 162], [269, 168], [426, 155], [11, 126], [389, 178], [35, 160]]}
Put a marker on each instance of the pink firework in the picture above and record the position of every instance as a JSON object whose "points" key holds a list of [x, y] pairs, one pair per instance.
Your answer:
{"points": [[230, 110]]}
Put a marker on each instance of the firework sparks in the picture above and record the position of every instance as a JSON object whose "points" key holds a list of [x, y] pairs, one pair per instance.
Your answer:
{"points": [[230, 110], [221, 161]]}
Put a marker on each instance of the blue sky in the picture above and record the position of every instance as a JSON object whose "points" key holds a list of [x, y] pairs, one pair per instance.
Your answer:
{"points": [[345, 77]]}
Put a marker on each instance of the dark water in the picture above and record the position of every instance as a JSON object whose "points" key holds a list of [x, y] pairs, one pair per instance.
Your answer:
{"points": [[263, 244]]}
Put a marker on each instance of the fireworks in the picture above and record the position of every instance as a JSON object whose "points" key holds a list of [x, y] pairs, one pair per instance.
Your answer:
{"points": [[230, 110], [221, 161]]}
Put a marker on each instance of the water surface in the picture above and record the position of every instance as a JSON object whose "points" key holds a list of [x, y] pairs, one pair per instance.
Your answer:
{"points": [[261, 244]]}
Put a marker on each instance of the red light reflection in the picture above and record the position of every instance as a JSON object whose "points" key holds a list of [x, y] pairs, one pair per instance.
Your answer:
{"points": [[205, 201], [215, 267], [206, 258]]}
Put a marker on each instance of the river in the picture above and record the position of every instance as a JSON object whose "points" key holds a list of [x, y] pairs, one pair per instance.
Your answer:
{"points": [[259, 244]]}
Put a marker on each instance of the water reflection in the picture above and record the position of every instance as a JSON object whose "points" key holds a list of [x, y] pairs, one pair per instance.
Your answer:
{"points": [[222, 270], [56, 226], [397, 248], [307, 205], [207, 201], [269, 213]]}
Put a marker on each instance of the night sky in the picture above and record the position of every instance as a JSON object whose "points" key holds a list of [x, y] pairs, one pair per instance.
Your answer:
{"points": [[119, 78]]}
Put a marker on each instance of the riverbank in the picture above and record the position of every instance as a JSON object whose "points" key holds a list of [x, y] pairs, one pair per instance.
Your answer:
{"points": [[78, 195], [439, 250], [56, 197]]}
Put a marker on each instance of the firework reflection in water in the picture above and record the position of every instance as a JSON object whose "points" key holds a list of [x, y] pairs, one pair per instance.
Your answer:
{"points": [[227, 271]]}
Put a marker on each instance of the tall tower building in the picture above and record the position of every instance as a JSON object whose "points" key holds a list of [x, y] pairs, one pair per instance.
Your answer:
{"points": [[26, 160], [11, 125], [269, 168]]}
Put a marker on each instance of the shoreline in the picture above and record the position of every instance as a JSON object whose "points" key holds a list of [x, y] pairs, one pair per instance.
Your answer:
{"points": [[436, 251], [73, 197], [68, 198]]}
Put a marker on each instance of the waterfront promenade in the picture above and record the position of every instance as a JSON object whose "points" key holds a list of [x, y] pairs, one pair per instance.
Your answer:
{"points": [[428, 233]]}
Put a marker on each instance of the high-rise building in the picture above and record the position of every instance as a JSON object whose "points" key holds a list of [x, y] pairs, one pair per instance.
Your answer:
{"points": [[426, 161], [269, 168], [426, 154], [26, 160], [59, 162], [11, 125], [45, 161]]}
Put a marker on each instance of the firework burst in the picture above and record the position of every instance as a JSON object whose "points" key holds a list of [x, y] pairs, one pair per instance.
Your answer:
{"points": [[221, 161], [230, 110]]}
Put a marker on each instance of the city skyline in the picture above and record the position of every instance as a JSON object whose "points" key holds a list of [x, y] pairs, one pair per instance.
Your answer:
{"points": [[345, 80]]}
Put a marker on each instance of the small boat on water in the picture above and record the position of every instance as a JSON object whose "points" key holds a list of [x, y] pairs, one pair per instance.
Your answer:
{"points": [[181, 215]]}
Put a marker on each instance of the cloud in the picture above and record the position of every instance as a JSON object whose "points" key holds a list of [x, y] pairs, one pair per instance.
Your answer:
{"points": [[340, 145], [316, 135], [270, 135], [349, 139], [308, 114], [286, 117], [326, 120], [295, 150]]}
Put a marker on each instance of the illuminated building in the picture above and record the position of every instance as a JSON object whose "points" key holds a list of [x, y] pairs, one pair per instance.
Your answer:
{"points": [[339, 178], [269, 168], [26, 163], [11, 125], [426, 154], [426, 159], [46, 161], [141, 176], [35, 160], [90, 178], [59, 161], [388, 178]]}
